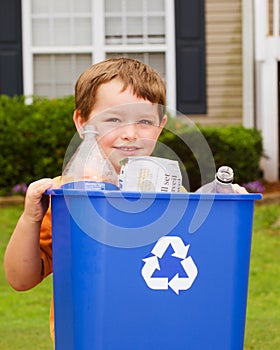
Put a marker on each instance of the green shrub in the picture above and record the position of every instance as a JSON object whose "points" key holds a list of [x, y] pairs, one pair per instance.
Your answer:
{"points": [[34, 140], [235, 146]]}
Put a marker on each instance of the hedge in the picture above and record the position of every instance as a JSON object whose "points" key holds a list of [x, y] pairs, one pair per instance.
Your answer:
{"points": [[238, 147], [34, 139]]}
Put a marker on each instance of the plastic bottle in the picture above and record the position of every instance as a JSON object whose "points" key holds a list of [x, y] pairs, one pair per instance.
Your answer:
{"points": [[222, 182], [89, 168]]}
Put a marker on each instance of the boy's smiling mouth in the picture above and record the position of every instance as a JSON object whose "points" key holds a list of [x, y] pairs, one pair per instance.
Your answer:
{"points": [[128, 150]]}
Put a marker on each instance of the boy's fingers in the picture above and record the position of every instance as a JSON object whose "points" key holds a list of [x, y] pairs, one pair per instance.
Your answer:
{"points": [[239, 189], [38, 188]]}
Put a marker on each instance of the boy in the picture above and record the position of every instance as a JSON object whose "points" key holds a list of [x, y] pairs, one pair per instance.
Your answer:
{"points": [[125, 100], [102, 93]]}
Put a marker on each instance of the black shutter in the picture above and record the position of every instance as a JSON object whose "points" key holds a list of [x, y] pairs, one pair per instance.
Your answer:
{"points": [[10, 48], [190, 56]]}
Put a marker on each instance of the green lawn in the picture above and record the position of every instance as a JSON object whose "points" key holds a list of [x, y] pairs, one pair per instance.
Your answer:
{"points": [[263, 308], [24, 316]]}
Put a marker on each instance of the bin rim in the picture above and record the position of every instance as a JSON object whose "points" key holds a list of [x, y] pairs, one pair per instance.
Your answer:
{"points": [[158, 195]]}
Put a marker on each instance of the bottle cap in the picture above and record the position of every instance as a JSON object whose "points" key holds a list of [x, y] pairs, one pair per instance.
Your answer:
{"points": [[225, 174]]}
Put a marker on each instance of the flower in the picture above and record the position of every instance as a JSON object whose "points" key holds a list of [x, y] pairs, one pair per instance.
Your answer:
{"points": [[254, 186], [16, 188], [20, 189]]}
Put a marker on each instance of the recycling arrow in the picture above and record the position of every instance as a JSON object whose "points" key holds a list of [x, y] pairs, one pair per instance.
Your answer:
{"points": [[180, 250], [151, 264], [183, 283]]}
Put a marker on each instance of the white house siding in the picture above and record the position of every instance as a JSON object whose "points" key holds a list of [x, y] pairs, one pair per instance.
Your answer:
{"points": [[224, 63]]}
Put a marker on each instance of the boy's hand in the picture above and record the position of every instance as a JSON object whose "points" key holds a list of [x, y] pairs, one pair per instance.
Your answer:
{"points": [[239, 189], [36, 202]]}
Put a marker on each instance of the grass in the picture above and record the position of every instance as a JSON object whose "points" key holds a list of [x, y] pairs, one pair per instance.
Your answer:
{"points": [[263, 308], [24, 316]]}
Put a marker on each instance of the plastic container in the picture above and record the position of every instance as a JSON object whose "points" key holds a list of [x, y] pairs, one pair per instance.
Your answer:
{"points": [[222, 182], [89, 168], [120, 285]]}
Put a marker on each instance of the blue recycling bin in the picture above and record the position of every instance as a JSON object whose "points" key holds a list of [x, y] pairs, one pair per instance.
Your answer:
{"points": [[155, 271]]}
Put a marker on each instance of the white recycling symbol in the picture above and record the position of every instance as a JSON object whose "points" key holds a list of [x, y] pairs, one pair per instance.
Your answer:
{"points": [[151, 264]]}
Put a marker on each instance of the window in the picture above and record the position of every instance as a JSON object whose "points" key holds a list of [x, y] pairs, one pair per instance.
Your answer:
{"points": [[55, 74], [134, 22], [61, 38]]}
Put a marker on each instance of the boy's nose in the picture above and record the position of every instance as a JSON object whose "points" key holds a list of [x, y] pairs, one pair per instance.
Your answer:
{"points": [[129, 131]]}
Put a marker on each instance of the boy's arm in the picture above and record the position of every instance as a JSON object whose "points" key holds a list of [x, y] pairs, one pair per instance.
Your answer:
{"points": [[22, 260]]}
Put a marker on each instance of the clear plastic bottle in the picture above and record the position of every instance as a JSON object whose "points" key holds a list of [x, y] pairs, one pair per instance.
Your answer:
{"points": [[222, 182], [89, 168]]}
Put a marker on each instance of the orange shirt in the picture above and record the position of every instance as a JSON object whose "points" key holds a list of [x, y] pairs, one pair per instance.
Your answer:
{"points": [[46, 252], [46, 249]]}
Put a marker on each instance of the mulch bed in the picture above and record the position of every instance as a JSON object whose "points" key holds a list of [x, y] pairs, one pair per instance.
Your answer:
{"points": [[272, 187], [11, 200]]}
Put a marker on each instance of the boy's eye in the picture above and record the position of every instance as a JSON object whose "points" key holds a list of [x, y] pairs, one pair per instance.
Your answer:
{"points": [[145, 122], [113, 120]]}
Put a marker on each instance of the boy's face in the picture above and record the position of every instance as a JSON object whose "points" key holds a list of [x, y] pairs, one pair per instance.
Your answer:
{"points": [[127, 125]]}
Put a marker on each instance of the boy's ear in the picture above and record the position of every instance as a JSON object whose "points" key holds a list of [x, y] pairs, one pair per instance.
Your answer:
{"points": [[79, 121], [163, 121], [162, 124]]}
